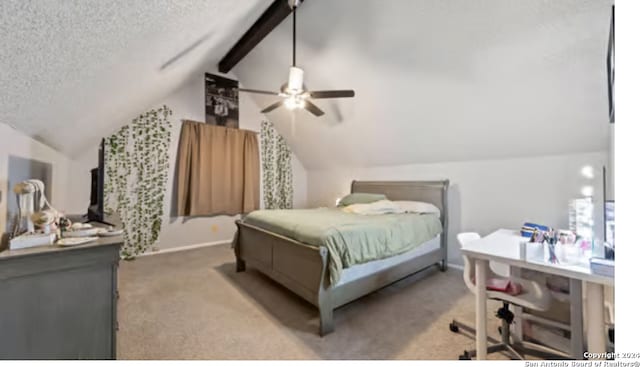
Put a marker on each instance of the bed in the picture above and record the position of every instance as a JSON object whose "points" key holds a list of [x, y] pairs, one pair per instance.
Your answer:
{"points": [[309, 270]]}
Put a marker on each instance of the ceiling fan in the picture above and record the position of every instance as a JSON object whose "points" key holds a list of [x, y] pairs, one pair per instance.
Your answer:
{"points": [[294, 93]]}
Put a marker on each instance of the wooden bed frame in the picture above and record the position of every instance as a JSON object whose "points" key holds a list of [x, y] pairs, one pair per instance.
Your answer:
{"points": [[303, 269]]}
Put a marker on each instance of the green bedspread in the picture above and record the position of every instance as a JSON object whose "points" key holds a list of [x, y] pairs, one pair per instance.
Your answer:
{"points": [[350, 238]]}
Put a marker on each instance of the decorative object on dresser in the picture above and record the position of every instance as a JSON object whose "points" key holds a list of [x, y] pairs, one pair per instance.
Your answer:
{"points": [[21, 171], [32, 240], [30, 195], [36, 221], [59, 302]]}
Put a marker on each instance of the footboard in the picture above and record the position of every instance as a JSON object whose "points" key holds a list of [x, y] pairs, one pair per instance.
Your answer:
{"points": [[299, 267], [303, 269]]}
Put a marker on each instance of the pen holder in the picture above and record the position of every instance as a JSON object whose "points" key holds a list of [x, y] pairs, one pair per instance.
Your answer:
{"points": [[536, 251], [568, 254], [552, 253], [564, 253], [523, 250]]}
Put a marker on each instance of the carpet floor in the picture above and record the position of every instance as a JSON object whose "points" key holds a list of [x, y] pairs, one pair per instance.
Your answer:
{"points": [[193, 305]]}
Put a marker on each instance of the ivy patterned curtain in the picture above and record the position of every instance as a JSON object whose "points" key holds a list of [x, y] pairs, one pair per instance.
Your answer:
{"points": [[277, 176], [137, 167]]}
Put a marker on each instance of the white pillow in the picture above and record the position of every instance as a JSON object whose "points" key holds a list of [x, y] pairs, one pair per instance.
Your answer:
{"points": [[377, 207], [405, 206]]}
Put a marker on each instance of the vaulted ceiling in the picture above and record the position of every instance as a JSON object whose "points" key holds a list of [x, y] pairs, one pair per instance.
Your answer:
{"points": [[441, 80], [72, 71], [434, 80]]}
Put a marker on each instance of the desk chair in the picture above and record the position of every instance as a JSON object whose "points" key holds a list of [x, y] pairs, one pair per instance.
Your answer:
{"points": [[533, 296]]}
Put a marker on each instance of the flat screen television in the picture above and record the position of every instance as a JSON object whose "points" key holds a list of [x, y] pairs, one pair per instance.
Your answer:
{"points": [[95, 212]]}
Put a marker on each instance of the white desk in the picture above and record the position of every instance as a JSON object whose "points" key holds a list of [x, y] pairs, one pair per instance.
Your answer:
{"points": [[502, 246]]}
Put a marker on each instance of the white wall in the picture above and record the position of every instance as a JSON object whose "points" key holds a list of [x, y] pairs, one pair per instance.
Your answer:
{"points": [[187, 103], [441, 81], [15, 143], [484, 195]]}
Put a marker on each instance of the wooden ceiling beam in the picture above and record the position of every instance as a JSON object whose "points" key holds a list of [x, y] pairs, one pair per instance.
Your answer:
{"points": [[268, 21]]}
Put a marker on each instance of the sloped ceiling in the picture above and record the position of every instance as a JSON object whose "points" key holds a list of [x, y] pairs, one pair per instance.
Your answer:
{"points": [[72, 71], [441, 80]]}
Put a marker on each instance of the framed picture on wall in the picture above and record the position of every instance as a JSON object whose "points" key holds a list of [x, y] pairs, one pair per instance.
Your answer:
{"points": [[221, 101]]}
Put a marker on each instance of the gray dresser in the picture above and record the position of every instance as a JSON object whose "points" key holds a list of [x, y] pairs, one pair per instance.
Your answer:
{"points": [[59, 302]]}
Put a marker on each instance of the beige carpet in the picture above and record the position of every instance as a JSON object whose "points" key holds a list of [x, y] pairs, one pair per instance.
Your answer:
{"points": [[193, 305]]}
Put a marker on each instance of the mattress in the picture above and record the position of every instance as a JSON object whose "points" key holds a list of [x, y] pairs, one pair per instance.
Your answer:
{"points": [[351, 238], [362, 270]]}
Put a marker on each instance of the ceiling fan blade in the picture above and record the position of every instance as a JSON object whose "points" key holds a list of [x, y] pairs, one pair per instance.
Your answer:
{"points": [[313, 108], [332, 94], [258, 91], [273, 106]]}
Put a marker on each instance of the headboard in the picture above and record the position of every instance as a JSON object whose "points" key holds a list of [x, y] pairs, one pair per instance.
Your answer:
{"points": [[434, 192]]}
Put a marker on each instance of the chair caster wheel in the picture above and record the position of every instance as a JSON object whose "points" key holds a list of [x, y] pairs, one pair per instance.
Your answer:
{"points": [[464, 357], [453, 327]]}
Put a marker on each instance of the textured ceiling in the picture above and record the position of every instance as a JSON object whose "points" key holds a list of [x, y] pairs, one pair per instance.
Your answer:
{"points": [[435, 80], [441, 80], [72, 71]]}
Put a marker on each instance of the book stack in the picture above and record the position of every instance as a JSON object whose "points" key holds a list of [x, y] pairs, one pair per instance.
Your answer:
{"points": [[602, 266]]}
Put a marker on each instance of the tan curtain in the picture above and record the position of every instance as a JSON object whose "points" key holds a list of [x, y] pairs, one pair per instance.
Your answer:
{"points": [[218, 170]]}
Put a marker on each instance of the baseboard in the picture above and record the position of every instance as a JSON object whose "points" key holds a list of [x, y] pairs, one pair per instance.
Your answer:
{"points": [[455, 266], [188, 247]]}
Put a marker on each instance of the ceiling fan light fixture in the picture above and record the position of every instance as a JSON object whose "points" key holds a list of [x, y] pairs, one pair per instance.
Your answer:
{"points": [[294, 103], [294, 93], [296, 80]]}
